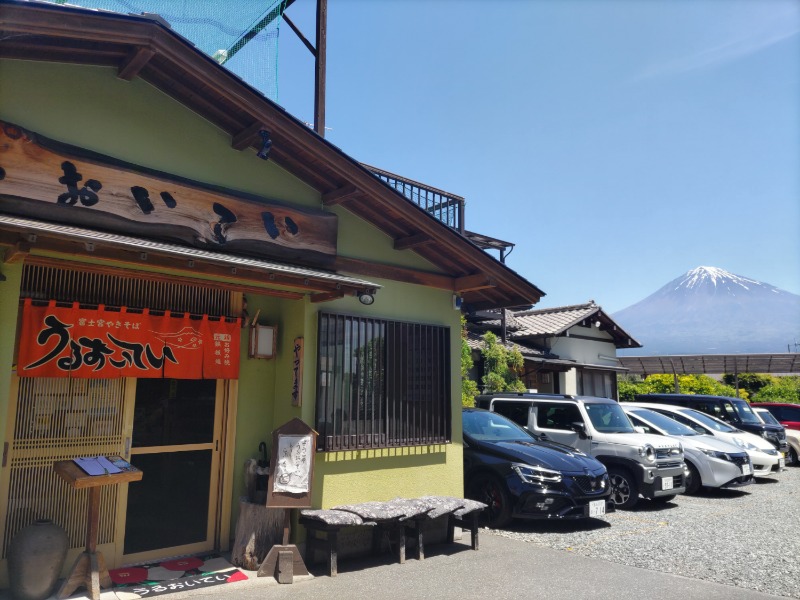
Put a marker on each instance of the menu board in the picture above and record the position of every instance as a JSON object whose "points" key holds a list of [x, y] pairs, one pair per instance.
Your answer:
{"points": [[291, 473], [294, 464]]}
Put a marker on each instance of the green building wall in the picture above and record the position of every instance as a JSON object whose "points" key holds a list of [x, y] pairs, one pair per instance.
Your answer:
{"points": [[135, 122]]}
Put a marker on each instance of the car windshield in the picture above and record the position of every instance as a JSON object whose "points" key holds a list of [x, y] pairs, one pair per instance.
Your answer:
{"points": [[609, 418], [664, 424], [745, 413], [767, 417], [708, 421], [489, 426]]}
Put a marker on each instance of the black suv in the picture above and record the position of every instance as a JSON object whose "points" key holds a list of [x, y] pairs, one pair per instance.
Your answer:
{"points": [[519, 476], [734, 411]]}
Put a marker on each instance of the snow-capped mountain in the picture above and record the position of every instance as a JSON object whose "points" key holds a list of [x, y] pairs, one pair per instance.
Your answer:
{"points": [[711, 311]]}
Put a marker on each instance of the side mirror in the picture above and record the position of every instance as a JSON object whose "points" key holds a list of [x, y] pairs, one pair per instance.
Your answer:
{"points": [[639, 429], [579, 428]]}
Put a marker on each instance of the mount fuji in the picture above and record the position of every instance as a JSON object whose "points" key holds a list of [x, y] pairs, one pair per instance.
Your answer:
{"points": [[711, 311]]}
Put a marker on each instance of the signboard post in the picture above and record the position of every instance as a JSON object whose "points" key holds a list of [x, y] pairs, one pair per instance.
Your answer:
{"points": [[290, 477]]}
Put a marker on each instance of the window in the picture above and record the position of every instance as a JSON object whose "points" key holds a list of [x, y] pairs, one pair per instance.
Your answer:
{"points": [[602, 384], [381, 383], [516, 411], [557, 416], [789, 413]]}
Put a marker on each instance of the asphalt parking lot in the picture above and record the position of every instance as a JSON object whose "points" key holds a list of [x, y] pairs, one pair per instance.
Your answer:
{"points": [[749, 538]]}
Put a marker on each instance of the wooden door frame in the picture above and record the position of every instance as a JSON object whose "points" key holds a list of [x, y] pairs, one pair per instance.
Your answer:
{"points": [[212, 523]]}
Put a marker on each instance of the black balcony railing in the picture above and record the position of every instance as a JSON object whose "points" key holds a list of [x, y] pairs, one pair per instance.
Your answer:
{"points": [[446, 207]]}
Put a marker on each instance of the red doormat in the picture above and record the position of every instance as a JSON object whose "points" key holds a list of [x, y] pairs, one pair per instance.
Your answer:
{"points": [[174, 575]]}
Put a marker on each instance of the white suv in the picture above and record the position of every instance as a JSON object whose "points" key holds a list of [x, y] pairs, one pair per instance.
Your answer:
{"points": [[765, 458], [637, 463]]}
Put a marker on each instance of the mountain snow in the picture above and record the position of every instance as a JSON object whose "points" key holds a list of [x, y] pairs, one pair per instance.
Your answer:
{"points": [[710, 310], [718, 277]]}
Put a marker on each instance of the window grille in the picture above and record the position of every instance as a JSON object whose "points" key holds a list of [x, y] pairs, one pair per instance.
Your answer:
{"points": [[381, 383]]}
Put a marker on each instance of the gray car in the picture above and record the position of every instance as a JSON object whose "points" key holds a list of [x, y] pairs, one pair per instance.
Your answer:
{"points": [[712, 462]]}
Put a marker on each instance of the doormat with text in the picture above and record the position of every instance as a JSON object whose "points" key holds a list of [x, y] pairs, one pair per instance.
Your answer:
{"points": [[174, 575]]}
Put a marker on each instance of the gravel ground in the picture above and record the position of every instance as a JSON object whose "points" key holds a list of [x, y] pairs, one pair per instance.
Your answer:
{"points": [[749, 538]]}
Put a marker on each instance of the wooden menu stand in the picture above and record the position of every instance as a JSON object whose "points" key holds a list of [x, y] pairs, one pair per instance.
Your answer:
{"points": [[294, 445], [90, 570]]}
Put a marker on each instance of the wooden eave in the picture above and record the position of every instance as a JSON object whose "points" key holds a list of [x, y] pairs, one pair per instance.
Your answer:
{"points": [[142, 47]]}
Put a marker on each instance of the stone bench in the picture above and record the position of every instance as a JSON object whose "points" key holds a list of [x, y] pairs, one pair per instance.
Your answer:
{"points": [[394, 518]]}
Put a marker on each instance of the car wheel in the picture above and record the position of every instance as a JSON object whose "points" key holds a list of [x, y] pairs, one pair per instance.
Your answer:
{"points": [[693, 480], [624, 491], [492, 492]]}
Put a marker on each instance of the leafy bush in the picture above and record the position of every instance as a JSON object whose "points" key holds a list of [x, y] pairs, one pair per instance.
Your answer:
{"points": [[752, 382], [783, 389], [629, 386], [501, 366]]}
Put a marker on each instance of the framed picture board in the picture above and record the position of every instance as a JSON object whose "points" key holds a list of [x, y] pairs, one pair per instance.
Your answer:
{"points": [[291, 472]]}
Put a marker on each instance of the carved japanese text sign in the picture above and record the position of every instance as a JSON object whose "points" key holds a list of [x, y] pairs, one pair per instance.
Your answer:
{"points": [[56, 182], [98, 343]]}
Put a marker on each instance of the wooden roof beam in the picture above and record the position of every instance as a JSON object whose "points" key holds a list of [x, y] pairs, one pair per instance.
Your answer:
{"points": [[339, 195], [132, 66], [470, 283], [16, 253], [327, 297], [411, 241], [246, 137], [404, 274]]}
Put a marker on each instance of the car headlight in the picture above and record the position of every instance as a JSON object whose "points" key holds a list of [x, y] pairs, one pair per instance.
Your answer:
{"points": [[648, 452], [715, 453], [531, 474], [744, 444], [771, 452]]}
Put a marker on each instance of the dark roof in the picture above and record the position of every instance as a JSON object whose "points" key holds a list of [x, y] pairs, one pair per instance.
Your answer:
{"points": [[475, 341], [552, 322], [142, 46], [714, 364]]}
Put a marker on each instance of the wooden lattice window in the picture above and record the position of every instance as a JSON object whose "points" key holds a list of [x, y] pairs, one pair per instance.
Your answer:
{"points": [[61, 418]]}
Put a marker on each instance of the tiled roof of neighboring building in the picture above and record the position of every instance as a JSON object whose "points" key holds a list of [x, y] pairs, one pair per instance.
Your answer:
{"points": [[551, 322]]}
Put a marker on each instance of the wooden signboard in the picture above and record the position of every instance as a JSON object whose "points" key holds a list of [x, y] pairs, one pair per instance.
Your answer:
{"points": [[297, 372], [291, 474], [291, 471], [56, 182]]}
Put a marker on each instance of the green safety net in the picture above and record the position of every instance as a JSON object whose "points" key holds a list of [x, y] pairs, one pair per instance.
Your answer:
{"points": [[242, 35]]}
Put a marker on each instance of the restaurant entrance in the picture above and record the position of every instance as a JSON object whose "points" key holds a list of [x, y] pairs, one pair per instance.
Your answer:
{"points": [[175, 442]]}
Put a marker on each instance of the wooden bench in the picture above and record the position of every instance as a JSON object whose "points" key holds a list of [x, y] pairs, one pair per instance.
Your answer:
{"points": [[394, 518]]}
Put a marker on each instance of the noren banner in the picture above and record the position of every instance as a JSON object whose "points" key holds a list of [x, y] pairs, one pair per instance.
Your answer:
{"points": [[71, 341]]}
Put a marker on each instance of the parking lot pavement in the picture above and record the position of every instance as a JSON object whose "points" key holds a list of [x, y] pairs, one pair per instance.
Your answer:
{"points": [[748, 538], [502, 569], [725, 545]]}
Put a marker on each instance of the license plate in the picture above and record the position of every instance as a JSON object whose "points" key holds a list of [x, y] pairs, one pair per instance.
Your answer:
{"points": [[597, 508], [666, 483], [746, 470], [782, 462]]}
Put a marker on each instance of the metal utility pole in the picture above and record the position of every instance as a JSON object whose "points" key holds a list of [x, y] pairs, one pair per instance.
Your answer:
{"points": [[319, 52]]}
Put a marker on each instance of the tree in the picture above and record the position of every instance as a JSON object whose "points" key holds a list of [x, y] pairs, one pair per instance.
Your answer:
{"points": [[469, 388], [501, 366], [782, 389], [629, 386], [752, 382]]}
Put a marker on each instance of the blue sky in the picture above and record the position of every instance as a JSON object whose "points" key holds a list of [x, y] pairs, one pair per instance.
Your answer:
{"points": [[618, 144]]}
